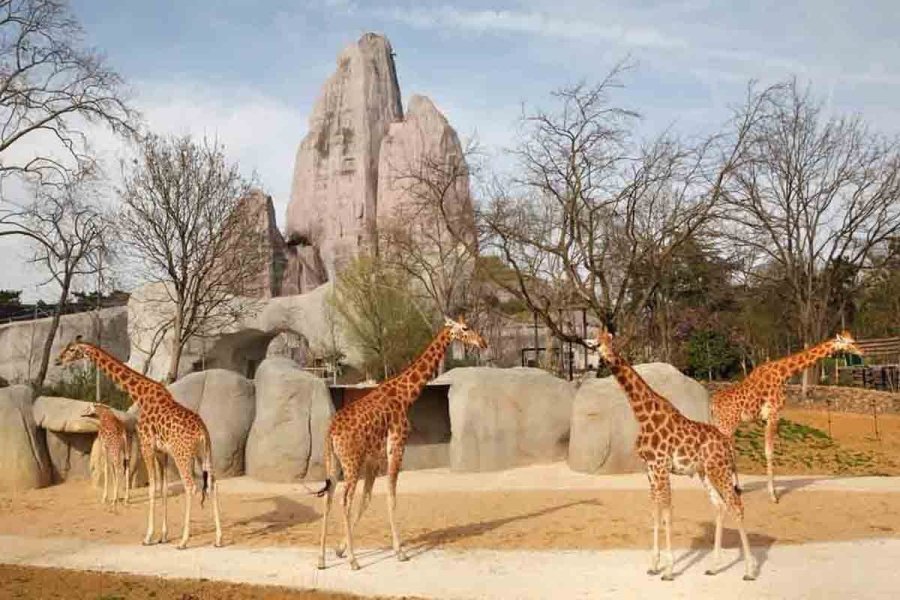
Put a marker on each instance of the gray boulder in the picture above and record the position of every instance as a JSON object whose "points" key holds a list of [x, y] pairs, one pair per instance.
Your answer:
{"points": [[603, 425], [503, 418], [65, 415], [23, 460], [225, 402], [293, 409]]}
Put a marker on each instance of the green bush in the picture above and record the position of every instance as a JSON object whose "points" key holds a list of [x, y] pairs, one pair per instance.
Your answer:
{"points": [[711, 355], [79, 383]]}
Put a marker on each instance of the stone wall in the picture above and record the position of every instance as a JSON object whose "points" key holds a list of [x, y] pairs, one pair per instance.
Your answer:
{"points": [[834, 397]]}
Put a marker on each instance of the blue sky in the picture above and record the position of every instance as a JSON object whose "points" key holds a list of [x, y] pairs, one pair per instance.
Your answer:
{"points": [[249, 72]]}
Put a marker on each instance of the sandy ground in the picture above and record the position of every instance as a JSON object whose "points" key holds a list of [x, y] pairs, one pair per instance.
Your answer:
{"points": [[63, 584], [573, 511], [860, 569]]}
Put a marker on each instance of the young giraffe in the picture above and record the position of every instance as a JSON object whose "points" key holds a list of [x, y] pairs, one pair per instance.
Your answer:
{"points": [[163, 426], [370, 434], [761, 394], [115, 446], [669, 442]]}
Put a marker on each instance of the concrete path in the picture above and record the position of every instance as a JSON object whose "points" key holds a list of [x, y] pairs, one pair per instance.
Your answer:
{"points": [[840, 570], [558, 476]]}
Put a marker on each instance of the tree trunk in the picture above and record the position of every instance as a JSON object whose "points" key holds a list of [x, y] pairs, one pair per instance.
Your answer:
{"points": [[174, 361], [38, 381]]}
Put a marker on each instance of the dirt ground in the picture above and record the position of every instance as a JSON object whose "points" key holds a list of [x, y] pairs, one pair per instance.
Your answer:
{"points": [[37, 582], [498, 520], [804, 446]]}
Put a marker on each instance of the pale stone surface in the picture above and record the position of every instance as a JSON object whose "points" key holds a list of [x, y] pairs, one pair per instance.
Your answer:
{"points": [[70, 455], [66, 415], [502, 418], [603, 425], [243, 345], [225, 401], [333, 194], [22, 342], [423, 144], [293, 409], [23, 455], [257, 213]]}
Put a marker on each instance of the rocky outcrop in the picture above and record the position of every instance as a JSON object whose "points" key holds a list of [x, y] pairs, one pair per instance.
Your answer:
{"points": [[293, 409], [503, 418], [603, 425], [23, 458], [333, 194], [259, 233], [21, 343], [225, 401], [422, 145]]}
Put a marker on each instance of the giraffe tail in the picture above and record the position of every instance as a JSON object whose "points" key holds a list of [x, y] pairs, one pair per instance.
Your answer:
{"points": [[206, 468], [328, 458]]}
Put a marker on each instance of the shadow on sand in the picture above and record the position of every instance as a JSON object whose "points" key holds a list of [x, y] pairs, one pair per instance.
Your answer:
{"points": [[783, 487], [701, 548], [284, 515]]}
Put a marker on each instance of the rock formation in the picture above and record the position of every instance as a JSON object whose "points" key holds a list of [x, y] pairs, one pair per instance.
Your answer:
{"points": [[349, 175], [504, 418], [23, 456], [603, 424], [333, 195]]}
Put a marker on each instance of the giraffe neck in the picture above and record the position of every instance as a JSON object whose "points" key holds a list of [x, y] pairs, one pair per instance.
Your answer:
{"points": [[422, 369], [126, 379], [643, 400], [795, 363]]}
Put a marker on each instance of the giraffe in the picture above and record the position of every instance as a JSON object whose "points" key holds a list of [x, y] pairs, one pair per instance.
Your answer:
{"points": [[368, 436], [163, 426], [115, 447], [761, 394], [668, 442]]}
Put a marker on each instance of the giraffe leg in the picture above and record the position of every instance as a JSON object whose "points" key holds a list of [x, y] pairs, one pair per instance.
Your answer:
{"points": [[185, 469], [164, 490], [771, 433], [214, 496], [735, 506], [368, 484], [115, 472], [326, 509], [150, 461], [346, 506], [127, 477], [395, 460], [105, 476], [661, 490], [654, 553], [719, 505]]}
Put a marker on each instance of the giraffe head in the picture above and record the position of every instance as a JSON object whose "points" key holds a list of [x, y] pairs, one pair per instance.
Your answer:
{"points": [[604, 345], [74, 351], [95, 410], [844, 342], [458, 330]]}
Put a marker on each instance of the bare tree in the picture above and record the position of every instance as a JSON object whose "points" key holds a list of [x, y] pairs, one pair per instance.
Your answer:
{"points": [[51, 88], [813, 200], [430, 236], [186, 225], [592, 217], [68, 232]]}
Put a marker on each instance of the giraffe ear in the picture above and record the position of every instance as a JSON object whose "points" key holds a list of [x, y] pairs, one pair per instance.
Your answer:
{"points": [[78, 339], [462, 319], [448, 322]]}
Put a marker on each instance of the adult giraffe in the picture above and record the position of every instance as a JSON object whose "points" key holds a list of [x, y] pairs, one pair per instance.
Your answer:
{"points": [[761, 394], [668, 442], [369, 435], [163, 426]]}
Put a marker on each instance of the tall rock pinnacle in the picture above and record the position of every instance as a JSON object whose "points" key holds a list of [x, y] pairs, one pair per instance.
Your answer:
{"points": [[335, 184]]}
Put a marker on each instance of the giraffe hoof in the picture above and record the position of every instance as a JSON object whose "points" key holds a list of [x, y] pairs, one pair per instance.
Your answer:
{"points": [[709, 572], [402, 557], [339, 552], [181, 546], [354, 565], [749, 577], [652, 571], [668, 577], [321, 564]]}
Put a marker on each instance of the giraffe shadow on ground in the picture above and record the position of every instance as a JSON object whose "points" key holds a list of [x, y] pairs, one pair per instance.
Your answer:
{"points": [[285, 514], [701, 548], [783, 487], [426, 542]]}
